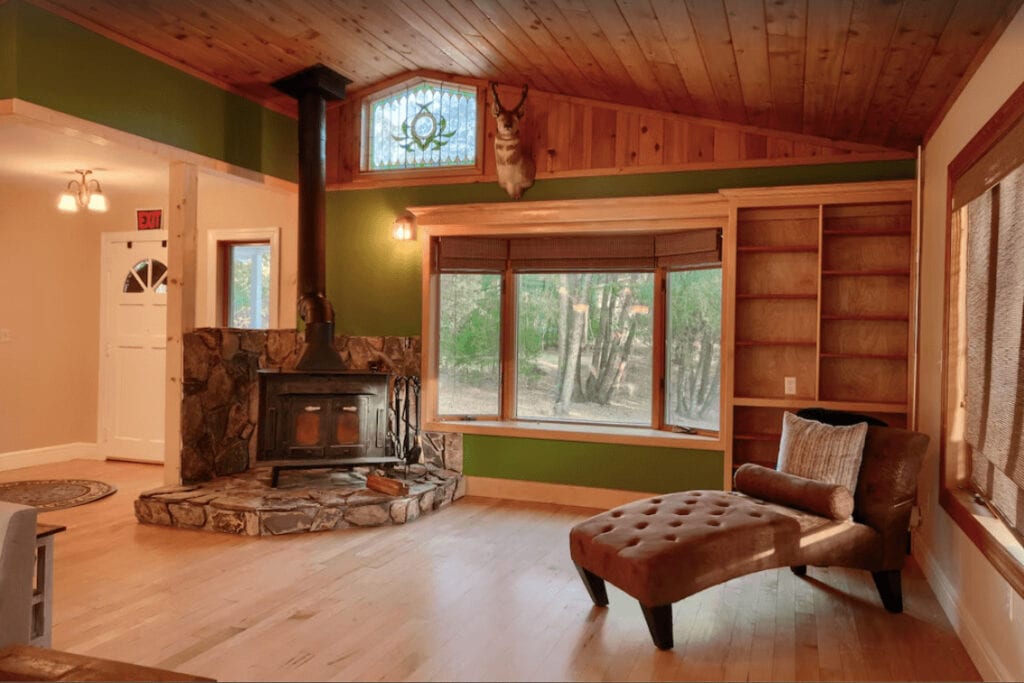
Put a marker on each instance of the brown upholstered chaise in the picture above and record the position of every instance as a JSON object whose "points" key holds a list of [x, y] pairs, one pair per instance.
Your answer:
{"points": [[663, 549]]}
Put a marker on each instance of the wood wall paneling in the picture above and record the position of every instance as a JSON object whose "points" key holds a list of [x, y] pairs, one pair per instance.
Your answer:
{"points": [[571, 136]]}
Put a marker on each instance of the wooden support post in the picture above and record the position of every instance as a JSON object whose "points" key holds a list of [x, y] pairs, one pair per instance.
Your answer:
{"points": [[181, 302]]}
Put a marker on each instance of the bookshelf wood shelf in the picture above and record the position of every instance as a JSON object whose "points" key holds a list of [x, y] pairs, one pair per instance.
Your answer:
{"points": [[835, 280]]}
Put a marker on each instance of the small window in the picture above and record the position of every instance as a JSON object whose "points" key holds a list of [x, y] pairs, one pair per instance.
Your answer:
{"points": [[246, 285], [426, 124]]}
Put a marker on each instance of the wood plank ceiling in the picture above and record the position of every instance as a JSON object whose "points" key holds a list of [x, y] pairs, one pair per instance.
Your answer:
{"points": [[871, 71]]}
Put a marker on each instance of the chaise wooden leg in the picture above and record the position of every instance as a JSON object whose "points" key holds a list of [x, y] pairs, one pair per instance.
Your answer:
{"points": [[659, 623], [890, 589], [799, 570], [595, 586]]}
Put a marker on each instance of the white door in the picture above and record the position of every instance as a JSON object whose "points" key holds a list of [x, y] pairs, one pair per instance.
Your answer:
{"points": [[133, 345]]}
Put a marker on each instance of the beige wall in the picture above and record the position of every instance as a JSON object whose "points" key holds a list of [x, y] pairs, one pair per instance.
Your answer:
{"points": [[987, 613], [227, 203], [49, 300]]}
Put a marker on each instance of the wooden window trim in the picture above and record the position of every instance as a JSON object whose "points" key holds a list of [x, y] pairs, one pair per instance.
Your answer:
{"points": [[361, 174], [995, 541], [568, 217], [211, 269]]}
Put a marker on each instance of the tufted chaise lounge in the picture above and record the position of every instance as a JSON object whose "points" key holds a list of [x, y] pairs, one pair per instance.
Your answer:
{"points": [[663, 549]]}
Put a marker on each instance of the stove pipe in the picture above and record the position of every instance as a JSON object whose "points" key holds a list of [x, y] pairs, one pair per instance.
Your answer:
{"points": [[313, 88]]}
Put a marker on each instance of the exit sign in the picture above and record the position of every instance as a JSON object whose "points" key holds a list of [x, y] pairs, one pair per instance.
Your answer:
{"points": [[148, 219]]}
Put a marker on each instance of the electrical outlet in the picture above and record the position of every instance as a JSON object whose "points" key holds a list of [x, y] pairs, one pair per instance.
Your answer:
{"points": [[790, 386], [5, 335], [915, 517]]}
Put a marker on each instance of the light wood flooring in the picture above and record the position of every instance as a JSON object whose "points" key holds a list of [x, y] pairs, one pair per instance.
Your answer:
{"points": [[483, 590]]}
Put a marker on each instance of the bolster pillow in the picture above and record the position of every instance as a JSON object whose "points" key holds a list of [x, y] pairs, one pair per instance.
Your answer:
{"points": [[823, 499]]}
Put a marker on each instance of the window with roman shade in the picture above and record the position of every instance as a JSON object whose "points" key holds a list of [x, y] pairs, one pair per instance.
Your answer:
{"points": [[595, 328], [983, 410], [994, 318]]}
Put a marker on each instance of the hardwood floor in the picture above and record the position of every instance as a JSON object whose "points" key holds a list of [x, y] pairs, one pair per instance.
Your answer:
{"points": [[483, 590]]}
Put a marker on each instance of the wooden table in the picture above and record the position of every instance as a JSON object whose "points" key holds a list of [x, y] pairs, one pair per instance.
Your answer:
{"points": [[27, 663], [42, 594]]}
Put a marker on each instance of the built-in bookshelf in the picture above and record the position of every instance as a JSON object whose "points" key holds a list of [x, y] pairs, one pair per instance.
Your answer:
{"points": [[823, 313]]}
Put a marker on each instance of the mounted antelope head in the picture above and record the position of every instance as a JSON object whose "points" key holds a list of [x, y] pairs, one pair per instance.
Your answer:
{"points": [[513, 160]]}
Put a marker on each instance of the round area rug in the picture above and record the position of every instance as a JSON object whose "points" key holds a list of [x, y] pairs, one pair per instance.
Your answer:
{"points": [[54, 494]]}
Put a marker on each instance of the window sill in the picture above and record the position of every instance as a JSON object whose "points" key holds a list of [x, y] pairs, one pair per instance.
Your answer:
{"points": [[632, 436], [988, 533]]}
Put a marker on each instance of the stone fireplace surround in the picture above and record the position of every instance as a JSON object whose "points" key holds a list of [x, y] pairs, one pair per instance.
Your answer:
{"points": [[221, 489]]}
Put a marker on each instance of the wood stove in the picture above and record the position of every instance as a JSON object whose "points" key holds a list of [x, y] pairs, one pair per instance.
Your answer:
{"points": [[319, 415], [322, 419]]}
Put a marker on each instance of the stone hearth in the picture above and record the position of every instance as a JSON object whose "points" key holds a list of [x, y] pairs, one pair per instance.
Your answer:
{"points": [[221, 393], [305, 500]]}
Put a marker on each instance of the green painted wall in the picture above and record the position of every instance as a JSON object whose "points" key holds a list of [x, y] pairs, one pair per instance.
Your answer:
{"points": [[8, 51], [610, 466], [63, 66], [374, 283]]}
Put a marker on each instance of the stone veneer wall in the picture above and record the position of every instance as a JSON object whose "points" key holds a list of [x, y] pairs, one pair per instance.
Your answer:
{"points": [[220, 403]]}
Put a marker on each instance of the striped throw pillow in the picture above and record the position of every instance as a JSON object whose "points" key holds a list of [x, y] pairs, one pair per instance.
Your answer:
{"points": [[819, 451]]}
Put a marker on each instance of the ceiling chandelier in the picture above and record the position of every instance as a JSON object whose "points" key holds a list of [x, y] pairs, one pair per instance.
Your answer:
{"points": [[85, 193]]}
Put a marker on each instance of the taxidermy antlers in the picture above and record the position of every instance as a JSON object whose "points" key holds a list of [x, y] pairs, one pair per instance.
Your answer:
{"points": [[514, 162]]}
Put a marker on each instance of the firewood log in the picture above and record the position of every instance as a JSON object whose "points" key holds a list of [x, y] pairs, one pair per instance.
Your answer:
{"points": [[391, 487]]}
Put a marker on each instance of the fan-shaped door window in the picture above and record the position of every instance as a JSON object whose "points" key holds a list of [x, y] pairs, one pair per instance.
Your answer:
{"points": [[147, 275]]}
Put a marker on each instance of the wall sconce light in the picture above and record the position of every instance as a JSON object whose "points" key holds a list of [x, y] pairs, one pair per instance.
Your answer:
{"points": [[84, 193], [404, 227]]}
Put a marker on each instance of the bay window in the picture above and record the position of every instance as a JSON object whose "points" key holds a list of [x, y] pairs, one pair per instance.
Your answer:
{"points": [[619, 330]]}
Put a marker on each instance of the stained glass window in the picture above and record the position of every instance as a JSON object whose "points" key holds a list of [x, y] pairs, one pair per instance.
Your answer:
{"points": [[428, 124]]}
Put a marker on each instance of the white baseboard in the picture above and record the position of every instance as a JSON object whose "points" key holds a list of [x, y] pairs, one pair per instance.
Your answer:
{"points": [[988, 662], [13, 460], [543, 492]]}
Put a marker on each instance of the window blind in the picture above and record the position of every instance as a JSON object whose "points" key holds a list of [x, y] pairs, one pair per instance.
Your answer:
{"points": [[993, 166], [995, 345], [579, 252]]}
